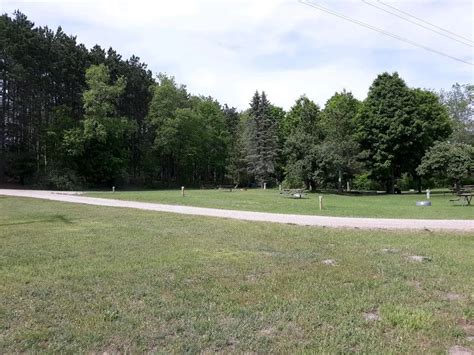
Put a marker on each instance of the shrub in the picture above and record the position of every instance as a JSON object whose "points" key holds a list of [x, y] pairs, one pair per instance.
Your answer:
{"points": [[62, 180], [363, 182]]}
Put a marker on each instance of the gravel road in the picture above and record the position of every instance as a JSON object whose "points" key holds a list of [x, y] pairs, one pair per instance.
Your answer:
{"points": [[305, 220]]}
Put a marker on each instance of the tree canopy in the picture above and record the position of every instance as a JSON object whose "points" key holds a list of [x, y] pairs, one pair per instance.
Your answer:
{"points": [[73, 117], [452, 161]]}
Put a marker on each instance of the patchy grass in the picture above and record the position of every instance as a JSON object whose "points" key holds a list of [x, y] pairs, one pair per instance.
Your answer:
{"points": [[77, 278], [380, 206]]}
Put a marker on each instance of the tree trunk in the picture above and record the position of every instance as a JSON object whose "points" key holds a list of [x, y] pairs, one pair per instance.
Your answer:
{"points": [[392, 181], [3, 119], [339, 182]]}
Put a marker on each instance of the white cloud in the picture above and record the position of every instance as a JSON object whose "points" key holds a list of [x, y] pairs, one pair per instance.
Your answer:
{"points": [[228, 49]]}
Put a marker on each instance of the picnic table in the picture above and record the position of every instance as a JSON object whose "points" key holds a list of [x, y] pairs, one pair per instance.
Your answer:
{"points": [[294, 193], [466, 197], [461, 189], [229, 188]]}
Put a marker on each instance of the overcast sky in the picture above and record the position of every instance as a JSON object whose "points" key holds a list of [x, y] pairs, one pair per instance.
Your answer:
{"points": [[230, 48]]}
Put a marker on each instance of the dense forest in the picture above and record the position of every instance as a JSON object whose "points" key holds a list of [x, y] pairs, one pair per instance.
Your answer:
{"points": [[73, 117]]}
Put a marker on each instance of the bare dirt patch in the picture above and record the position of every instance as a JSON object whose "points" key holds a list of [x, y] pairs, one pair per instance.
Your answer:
{"points": [[459, 350], [418, 258], [371, 316], [451, 296]]}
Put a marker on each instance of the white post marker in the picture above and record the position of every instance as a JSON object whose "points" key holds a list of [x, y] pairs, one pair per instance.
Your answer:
{"points": [[320, 202], [113, 188], [279, 186], [428, 194], [348, 186], [264, 185], [182, 191]]}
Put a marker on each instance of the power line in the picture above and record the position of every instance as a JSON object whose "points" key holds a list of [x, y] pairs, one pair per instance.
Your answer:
{"points": [[426, 22], [386, 33], [416, 23]]}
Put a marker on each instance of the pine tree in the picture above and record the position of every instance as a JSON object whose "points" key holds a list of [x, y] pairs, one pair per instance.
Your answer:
{"points": [[262, 149]]}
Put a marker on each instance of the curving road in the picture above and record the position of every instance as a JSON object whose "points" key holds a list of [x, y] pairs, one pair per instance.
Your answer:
{"points": [[305, 220]]}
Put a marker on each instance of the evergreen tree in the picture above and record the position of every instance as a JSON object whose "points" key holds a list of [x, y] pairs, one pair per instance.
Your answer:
{"points": [[262, 149]]}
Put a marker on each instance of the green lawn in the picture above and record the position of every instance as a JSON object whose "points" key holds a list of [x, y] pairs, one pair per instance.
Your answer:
{"points": [[76, 278], [386, 206]]}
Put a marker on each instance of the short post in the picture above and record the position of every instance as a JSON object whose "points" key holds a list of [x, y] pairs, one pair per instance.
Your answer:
{"points": [[113, 188], [264, 185], [310, 187], [428, 194], [182, 191], [348, 186], [279, 187], [320, 202]]}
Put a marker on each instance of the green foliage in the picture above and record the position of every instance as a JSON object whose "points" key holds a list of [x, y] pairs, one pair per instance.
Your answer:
{"points": [[453, 161], [363, 182], [302, 126], [303, 115], [101, 135], [101, 98], [459, 102], [340, 146], [294, 176], [236, 169], [191, 136], [106, 118], [63, 179], [396, 125], [406, 182], [262, 139], [430, 123]]}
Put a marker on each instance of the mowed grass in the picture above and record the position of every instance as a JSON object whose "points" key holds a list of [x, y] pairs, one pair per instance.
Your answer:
{"points": [[76, 278], [380, 206]]}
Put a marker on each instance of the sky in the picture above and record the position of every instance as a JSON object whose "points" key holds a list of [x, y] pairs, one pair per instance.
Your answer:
{"points": [[230, 48]]}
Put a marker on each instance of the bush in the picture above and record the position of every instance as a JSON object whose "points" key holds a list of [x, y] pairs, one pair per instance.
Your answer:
{"points": [[292, 183], [364, 183], [62, 180], [406, 182]]}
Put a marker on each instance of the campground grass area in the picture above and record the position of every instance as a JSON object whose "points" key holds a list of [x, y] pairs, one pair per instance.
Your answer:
{"points": [[76, 278], [379, 206]]}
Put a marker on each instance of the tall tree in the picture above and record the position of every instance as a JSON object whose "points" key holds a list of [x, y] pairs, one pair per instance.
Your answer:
{"points": [[236, 169], [167, 98], [215, 139], [102, 134], [460, 104], [339, 127], [429, 123], [303, 134], [262, 150], [396, 125]]}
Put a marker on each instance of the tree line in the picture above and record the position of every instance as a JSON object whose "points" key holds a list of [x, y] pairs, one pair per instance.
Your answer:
{"points": [[71, 117]]}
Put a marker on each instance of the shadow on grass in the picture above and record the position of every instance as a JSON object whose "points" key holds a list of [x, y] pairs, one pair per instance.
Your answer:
{"points": [[52, 219]]}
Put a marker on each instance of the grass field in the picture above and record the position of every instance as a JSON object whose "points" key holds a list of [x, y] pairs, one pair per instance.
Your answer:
{"points": [[77, 278], [381, 206]]}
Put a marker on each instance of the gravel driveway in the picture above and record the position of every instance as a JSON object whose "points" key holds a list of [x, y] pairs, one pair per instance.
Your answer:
{"points": [[305, 220]]}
